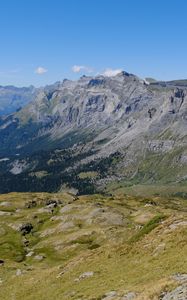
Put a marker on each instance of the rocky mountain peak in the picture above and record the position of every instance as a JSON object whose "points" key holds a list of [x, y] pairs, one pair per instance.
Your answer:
{"points": [[102, 118]]}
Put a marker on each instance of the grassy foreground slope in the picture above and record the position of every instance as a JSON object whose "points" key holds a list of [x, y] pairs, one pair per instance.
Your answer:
{"points": [[58, 246]]}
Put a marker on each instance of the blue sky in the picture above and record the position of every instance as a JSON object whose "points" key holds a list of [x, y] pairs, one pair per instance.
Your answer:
{"points": [[43, 41]]}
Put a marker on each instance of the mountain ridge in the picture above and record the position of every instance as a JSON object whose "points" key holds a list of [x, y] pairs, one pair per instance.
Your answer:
{"points": [[131, 128]]}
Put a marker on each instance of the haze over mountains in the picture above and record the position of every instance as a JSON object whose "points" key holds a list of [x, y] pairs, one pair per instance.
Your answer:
{"points": [[117, 128], [13, 98]]}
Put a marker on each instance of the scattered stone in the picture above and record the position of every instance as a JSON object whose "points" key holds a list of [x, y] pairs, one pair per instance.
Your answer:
{"points": [[84, 276], [110, 295], [25, 242], [98, 204], [39, 257], [1, 262], [180, 293], [46, 209], [60, 274], [180, 277], [66, 208], [18, 272], [4, 213], [51, 203], [31, 253], [159, 249], [129, 296], [177, 224], [31, 204], [26, 228]]}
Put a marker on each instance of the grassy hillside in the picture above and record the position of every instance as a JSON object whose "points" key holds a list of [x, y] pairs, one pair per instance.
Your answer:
{"points": [[86, 247]]}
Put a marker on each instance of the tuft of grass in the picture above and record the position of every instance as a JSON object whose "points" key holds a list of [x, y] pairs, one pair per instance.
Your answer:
{"points": [[88, 240], [11, 246], [148, 227]]}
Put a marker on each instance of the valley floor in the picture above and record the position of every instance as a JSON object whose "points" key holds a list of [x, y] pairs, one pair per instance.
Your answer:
{"points": [[61, 247]]}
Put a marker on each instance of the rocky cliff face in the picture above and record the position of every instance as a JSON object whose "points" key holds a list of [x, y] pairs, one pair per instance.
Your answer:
{"points": [[143, 125]]}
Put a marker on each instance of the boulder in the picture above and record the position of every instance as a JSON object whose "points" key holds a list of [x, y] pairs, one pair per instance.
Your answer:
{"points": [[84, 276], [26, 228], [1, 262]]}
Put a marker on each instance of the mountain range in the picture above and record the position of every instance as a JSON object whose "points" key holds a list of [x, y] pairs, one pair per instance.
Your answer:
{"points": [[88, 134]]}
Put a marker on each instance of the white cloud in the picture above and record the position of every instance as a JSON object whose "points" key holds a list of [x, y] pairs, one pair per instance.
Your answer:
{"points": [[78, 69], [111, 72], [41, 70]]}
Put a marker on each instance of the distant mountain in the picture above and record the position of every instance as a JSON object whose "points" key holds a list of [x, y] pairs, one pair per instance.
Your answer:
{"points": [[13, 98], [94, 131]]}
